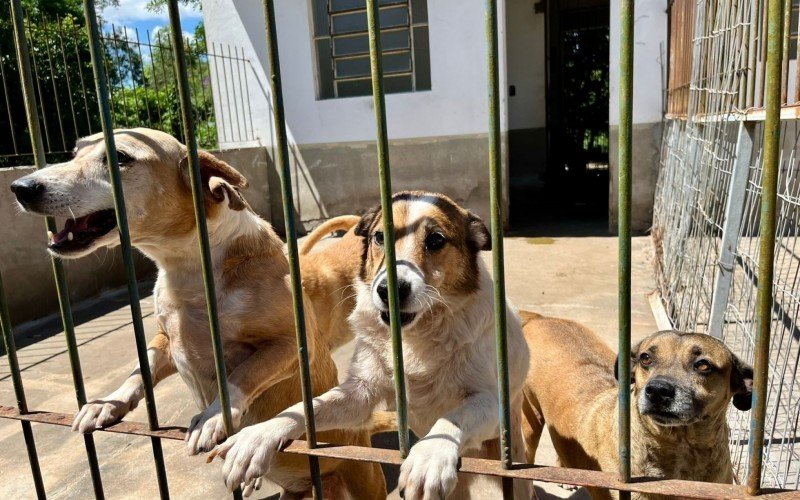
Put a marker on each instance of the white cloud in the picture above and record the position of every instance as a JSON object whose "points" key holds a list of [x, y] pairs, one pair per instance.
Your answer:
{"points": [[131, 11]]}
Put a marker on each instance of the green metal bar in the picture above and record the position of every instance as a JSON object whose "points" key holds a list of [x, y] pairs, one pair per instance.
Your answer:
{"points": [[385, 176], [19, 391], [498, 266], [625, 146], [31, 112], [282, 164], [101, 87], [176, 35], [766, 258]]}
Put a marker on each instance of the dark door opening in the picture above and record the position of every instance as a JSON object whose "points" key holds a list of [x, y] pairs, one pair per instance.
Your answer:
{"points": [[575, 184]]}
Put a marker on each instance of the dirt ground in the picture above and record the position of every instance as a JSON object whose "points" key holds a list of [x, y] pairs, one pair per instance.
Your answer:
{"points": [[571, 277]]}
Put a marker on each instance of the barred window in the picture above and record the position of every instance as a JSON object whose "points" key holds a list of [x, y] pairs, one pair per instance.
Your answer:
{"points": [[342, 45]]}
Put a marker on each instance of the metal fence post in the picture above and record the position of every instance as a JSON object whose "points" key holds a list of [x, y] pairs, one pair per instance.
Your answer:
{"points": [[26, 77], [19, 392], [624, 228], [385, 177], [282, 164], [766, 260], [734, 208], [101, 87]]}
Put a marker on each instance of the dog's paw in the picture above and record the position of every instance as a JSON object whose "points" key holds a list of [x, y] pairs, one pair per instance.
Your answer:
{"points": [[207, 429], [249, 453], [430, 471], [100, 413]]}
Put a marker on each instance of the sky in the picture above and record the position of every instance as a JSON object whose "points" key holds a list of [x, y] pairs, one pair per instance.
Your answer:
{"points": [[133, 14]]}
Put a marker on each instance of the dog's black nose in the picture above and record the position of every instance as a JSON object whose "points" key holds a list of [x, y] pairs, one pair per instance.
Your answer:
{"points": [[659, 390], [403, 291], [27, 190]]}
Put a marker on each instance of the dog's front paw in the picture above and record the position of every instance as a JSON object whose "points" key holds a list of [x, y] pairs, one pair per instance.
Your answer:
{"points": [[207, 429], [100, 413], [430, 471], [249, 453]]}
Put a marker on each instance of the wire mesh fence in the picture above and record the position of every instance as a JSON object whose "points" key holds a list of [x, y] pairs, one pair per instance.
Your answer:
{"points": [[707, 210], [142, 86]]}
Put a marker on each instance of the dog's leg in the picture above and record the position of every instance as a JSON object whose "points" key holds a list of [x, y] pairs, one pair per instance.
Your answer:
{"points": [[532, 424], [431, 466], [249, 453], [115, 406]]}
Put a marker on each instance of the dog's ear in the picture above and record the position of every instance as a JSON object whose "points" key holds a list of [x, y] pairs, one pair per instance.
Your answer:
{"points": [[477, 233], [634, 357], [362, 228], [219, 179], [741, 384]]}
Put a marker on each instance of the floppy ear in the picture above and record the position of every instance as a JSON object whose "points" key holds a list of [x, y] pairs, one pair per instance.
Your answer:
{"points": [[362, 228], [219, 179], [634, 357], [477, 233], [741, 384]]}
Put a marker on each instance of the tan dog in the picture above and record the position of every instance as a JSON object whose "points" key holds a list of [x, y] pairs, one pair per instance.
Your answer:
{"points": [[447, 314], [251, 275], [682, 385]]}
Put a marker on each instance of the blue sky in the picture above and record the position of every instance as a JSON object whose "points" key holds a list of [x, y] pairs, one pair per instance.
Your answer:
{"points": [[133, 14]]}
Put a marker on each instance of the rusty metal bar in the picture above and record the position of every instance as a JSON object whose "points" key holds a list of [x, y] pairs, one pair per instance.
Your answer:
{"points": [[766, 259], [577, 477]]}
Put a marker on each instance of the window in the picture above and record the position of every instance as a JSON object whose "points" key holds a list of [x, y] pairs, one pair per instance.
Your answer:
{"points": [[342, 44]]}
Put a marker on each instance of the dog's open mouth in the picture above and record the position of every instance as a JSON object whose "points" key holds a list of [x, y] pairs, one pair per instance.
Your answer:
{"points": [[80, 233], [405, 317]]}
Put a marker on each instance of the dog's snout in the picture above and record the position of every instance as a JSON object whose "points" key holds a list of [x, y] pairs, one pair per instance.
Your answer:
{"points": [[660, 390], [27, 190], [403, 291]]}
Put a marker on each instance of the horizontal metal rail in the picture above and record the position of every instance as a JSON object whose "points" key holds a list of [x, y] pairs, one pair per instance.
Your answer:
{"points": [[546, 474]]}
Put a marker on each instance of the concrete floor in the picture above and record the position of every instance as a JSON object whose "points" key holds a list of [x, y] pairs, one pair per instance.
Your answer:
{"points": [[572, 277]]}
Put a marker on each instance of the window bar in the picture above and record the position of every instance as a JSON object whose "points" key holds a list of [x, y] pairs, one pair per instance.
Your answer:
{"points": [[498, 270], [176, 35], [385, 176], [769, 194], [96, 52], [282, 164], [31, 112], [19, 392], [624, 231]]}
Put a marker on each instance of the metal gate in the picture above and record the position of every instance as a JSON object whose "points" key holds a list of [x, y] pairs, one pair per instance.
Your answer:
{"points": [[503, 467]]}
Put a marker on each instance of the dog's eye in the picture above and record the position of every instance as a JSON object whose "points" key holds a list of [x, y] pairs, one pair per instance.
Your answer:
{"points": [[435, 241], [378, 238], [703, 366], [645, 359], [124, 158]]}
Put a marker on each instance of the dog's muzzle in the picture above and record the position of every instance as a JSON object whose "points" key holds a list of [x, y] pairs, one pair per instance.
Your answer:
{"points": [[667, 402]]}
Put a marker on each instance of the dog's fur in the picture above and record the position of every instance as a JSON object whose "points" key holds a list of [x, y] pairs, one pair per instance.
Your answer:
{"points": [[571, 387], [448, 346], [251, 275]]}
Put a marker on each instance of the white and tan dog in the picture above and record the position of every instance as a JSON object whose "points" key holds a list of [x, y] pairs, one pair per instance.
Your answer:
{"points": [[446, 304], [251, 274]]}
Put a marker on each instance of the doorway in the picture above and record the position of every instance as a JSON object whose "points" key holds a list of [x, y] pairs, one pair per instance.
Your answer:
{"points": [[575, 181]]}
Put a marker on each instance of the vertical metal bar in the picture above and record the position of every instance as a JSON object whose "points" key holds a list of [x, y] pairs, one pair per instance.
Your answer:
{"points": [[282, 164], [766, 258], [8, 103], [220, 120], [797, 64], [155, 82], [46, 33], [38, 82], [19, 392], [126, 44], [385, 176], [241, 94], [235, 106], [144, 77], [96, 51], [200, 213], [625, 146], [787, 23], [66, 73], [26, 80], [498, 270], [83, 89], [734, 208], [227, 90]]}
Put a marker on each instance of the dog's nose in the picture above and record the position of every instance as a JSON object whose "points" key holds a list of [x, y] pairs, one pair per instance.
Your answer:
{"points": [[27, 190], [660, 390], [403, 291]]}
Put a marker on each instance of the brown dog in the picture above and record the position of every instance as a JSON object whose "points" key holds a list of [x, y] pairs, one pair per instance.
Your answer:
{"points": [[682, 384], [251, 275]]}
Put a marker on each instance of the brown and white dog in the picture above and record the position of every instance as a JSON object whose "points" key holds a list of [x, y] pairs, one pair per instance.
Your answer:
{"points": [[251, 274], [682, 384], [447, 315]]}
